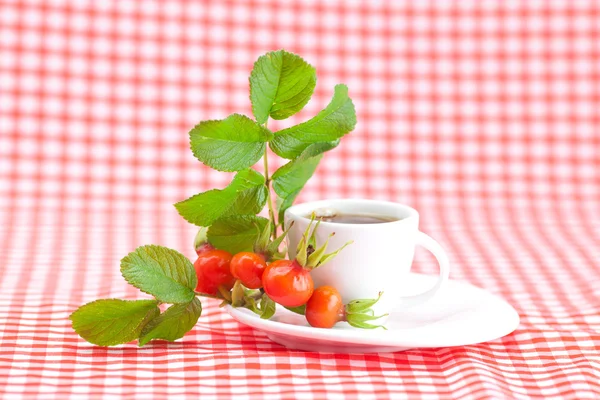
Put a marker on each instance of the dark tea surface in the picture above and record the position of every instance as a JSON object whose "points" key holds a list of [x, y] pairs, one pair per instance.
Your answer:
{"points": [[357, 218]]}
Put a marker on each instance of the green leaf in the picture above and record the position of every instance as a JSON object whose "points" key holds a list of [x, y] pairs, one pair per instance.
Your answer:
{"points": [[164, 273], [246, 194], [172, 324], [294, 175], [251, 305], [298, 310], [318, 148], [110, 322], [289, 180], [283, 204], [333, 122], [231, 144], [267, 307], [236, 233], [281, 84]]}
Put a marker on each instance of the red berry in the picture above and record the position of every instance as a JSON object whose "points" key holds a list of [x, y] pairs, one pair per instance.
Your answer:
{"points": [[212, 269], [203, 248], [288, 283], [248, 268], [325, 307], [206, 286]]}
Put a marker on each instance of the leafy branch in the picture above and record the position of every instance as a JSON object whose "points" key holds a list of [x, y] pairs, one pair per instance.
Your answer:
{"points": [[281, 84]]}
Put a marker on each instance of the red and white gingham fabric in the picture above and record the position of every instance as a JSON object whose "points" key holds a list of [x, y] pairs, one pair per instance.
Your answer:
{"points": [[484, 115]]}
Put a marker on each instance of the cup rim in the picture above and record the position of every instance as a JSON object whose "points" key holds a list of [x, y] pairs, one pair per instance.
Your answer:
{"points": [[306, 206]]}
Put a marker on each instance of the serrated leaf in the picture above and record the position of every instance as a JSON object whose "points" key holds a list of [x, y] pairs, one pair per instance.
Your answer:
{"points": [[281, 84], [236, 233], [267, 307], [294, 175], [285, 203], [110, 322], [333, 122], [164, 273], [172, 324], [318, 148], [246, 194], [290, 178], [231, 144]]}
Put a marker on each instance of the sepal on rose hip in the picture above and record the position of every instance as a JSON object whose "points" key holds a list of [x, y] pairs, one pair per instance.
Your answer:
{"points": [[237, 294], [362, 305], [263, 238], [254, 300], [358, 313], [273, 247], [270, 248], [201, 244], [325, 308], [308, 254]]}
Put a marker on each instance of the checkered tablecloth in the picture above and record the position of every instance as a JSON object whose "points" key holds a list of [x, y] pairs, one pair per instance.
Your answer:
{"points": [[484, 115]]}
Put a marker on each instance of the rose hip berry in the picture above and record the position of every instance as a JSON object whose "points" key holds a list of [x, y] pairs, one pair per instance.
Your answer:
{"points": [[212, 269], [324, 308], [288, 283], [249, 268]]}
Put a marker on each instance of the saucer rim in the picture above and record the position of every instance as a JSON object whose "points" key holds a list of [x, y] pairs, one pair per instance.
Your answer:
{"points": [[379, 337]]}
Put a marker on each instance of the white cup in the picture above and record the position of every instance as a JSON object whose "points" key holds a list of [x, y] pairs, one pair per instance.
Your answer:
{"points": [[380, 257]]}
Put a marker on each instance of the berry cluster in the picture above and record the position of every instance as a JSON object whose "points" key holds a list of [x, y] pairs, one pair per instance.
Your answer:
{"points": [[252, 276]]}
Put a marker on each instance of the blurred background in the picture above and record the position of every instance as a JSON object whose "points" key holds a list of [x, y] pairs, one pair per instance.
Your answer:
{"points": [[484, 115]]}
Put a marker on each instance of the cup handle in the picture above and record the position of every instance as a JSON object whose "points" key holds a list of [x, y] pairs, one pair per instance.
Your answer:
{"points": [[442, 258]]}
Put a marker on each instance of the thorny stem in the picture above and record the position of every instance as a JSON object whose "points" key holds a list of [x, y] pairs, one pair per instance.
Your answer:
{"points": [[269, 200]]}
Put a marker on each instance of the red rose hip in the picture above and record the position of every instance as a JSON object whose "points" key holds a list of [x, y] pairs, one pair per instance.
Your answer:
{"points": [[288, 283], [324, 308], [249, 268], [212, 269]]}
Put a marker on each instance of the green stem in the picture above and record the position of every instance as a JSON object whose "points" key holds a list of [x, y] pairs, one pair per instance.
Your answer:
{"points": [[207, 295], [269, 200]]}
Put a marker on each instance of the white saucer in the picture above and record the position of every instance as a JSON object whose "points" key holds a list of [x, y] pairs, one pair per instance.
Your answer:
{"points": [[459, 315]]}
